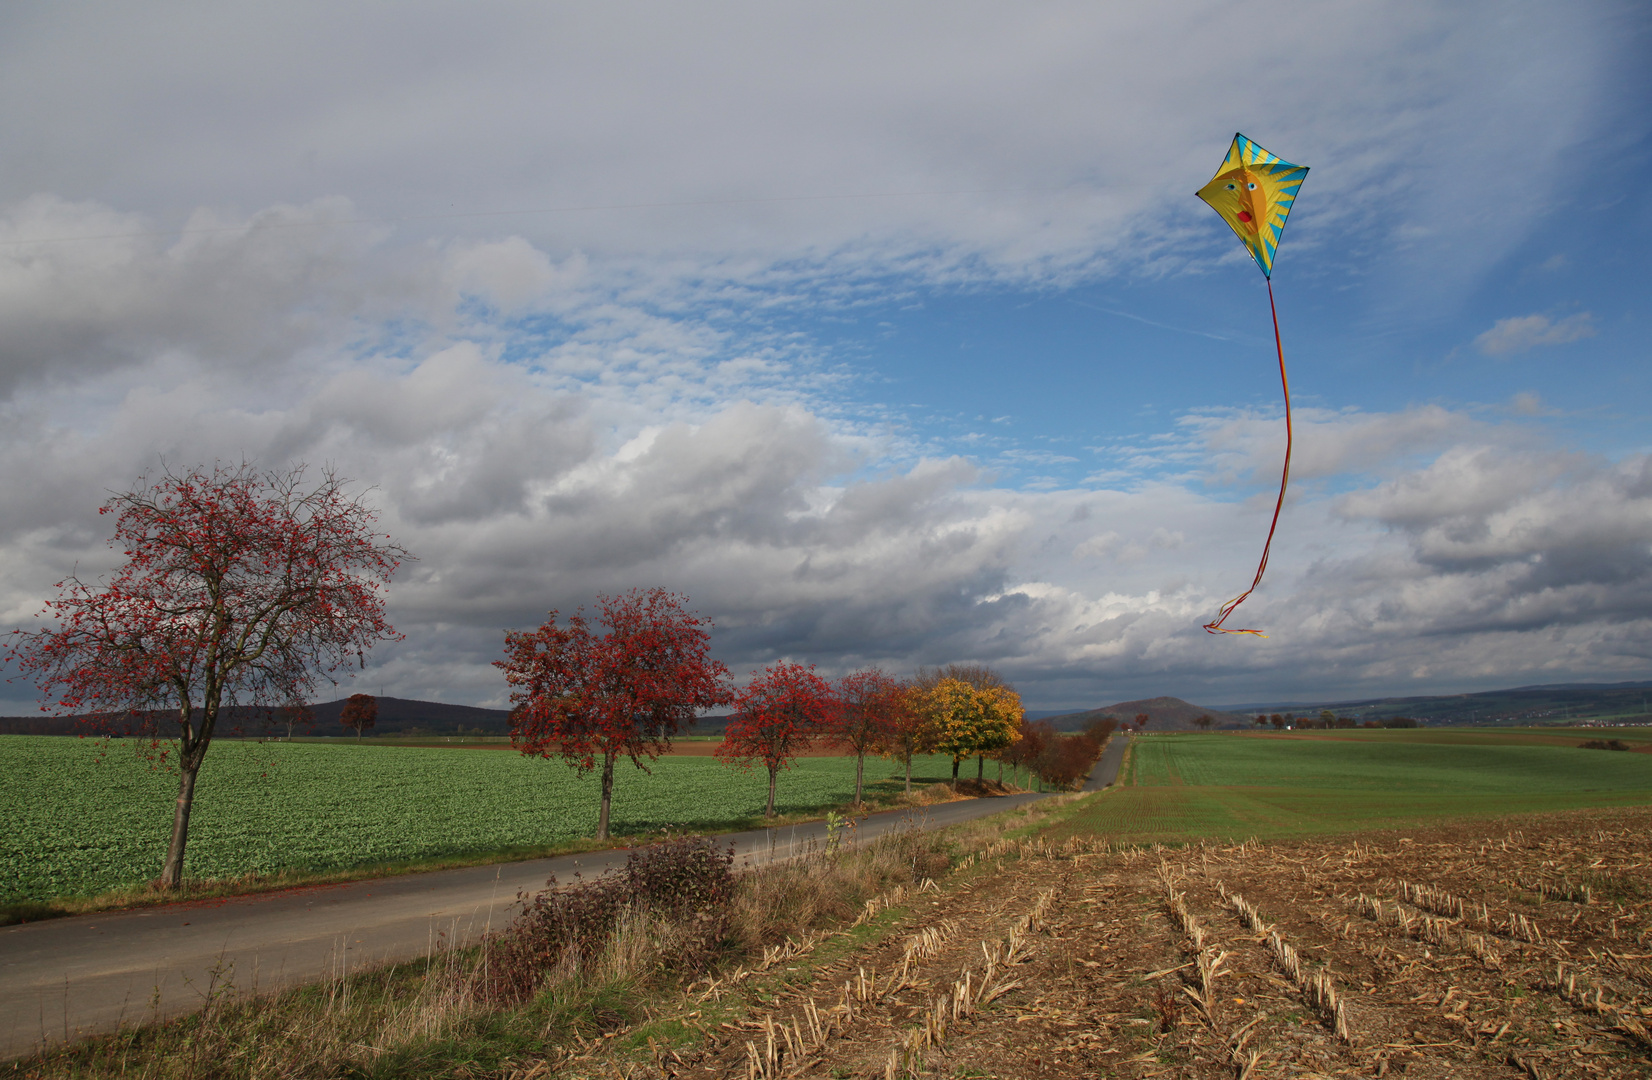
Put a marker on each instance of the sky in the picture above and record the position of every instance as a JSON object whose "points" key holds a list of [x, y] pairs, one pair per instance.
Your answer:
{"points": [[888, 334]]}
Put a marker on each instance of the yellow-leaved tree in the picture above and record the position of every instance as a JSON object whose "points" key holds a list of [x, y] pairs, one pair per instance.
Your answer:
{"points": [[969, 720]]}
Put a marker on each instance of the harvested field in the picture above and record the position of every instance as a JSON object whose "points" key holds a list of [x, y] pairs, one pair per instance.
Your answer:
{"points": [[1522, 949]]}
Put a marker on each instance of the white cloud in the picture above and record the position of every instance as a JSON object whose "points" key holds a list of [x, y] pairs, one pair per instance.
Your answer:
{"points": [[1524, 332]]}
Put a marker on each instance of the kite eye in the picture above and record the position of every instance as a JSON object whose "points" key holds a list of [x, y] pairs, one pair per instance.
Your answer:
{"points": [[1233, 187], [1251, 185]]}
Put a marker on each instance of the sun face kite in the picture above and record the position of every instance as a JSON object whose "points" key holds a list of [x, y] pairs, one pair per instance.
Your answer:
{"points": [[1253, 191]]}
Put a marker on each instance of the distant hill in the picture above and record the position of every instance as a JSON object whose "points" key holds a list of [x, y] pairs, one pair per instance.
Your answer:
{"points": [[1555, 704], [397, 716], [1166, 714]]}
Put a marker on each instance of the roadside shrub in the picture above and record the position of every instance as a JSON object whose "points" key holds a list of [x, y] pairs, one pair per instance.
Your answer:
{"points": [[1604, 744], [683, 888], [1066, 760]]}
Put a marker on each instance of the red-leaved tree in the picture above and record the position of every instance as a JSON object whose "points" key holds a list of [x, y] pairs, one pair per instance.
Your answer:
{"points": [[1066, 759], [361, 711], [240, 587], [1032, 736], [593, 696], [869, 708], [910, 732], [786, 707]]}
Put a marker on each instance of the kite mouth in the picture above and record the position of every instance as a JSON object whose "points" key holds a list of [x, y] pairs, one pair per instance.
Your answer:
{"points": [[1244, 215]]}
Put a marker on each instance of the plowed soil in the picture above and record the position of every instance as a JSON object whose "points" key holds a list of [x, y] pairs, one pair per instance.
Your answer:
{"points": [[1515, 950]]}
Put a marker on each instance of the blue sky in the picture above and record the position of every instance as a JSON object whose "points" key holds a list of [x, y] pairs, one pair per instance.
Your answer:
{"points": [[890, 334]]}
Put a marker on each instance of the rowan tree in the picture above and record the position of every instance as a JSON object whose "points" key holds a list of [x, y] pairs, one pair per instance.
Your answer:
{"points": [[784, 709], [910, 732], [239, 587], [591, 697], [361, 711], [1202, 723], [867, 716], [1142, 720]]}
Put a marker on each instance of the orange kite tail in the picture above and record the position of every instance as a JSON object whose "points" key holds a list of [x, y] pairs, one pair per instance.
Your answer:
{"points": [[1216, 627]]}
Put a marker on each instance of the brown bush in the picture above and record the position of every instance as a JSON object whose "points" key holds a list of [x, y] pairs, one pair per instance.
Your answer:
{"points": [[681, 890]]}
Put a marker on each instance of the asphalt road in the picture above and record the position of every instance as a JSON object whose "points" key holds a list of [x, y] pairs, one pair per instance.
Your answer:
{"points": [[90, 974], [1106, 771]]}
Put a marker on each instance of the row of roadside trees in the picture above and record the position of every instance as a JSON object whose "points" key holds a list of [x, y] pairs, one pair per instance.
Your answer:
{"points": [[625, 681], [240, 587]]}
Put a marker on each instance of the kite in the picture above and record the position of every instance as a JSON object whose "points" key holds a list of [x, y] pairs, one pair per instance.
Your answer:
{"points": [[1254, 192]]}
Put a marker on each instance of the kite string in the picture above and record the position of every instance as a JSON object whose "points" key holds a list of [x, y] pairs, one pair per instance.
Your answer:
{"points": [[1216, 627]]}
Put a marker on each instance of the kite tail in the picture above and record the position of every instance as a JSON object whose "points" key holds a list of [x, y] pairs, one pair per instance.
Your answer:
{"points": [[1284, 479]]}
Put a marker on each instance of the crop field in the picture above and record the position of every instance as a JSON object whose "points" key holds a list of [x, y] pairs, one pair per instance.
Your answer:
{"points": [[1179, 787], [78, 825], [1451, 952]]}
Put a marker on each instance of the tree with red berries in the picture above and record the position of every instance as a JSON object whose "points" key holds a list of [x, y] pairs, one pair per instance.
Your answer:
{"points": [[622, 688], [239, 587], [361, 711], [868, 714], [909, 731], [786, 707]]}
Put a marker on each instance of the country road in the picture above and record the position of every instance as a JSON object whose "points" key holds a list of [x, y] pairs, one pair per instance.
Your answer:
{"points": [[90, 974]]}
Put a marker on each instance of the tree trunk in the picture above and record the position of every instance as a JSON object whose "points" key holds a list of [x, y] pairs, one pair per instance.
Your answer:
{"points": [[607, 795], [955, 762], [860, 768], [909, 774], [980, 767], [172, 873], [769, 812], [192, 748]]}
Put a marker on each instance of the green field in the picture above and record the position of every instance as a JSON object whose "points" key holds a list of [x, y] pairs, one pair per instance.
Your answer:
{"points": [[1233, 786], [79, 826]]}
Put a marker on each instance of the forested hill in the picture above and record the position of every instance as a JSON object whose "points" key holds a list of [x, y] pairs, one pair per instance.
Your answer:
{"points": [[397, 716], [1559, 703], [1163, 714]]}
